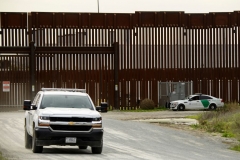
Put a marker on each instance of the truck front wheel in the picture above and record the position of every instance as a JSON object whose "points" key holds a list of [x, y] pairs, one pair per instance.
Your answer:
{"points": [[28, 140], [97, 150], [35, 148]]}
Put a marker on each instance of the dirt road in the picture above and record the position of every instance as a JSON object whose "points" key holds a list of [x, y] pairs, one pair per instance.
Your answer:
{"points": [[120, 115]]}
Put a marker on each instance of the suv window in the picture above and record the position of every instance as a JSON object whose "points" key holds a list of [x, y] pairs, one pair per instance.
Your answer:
{"points": [[66, 101]]}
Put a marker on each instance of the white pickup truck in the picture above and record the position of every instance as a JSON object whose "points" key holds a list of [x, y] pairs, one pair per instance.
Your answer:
{"points": [[60, 116]]}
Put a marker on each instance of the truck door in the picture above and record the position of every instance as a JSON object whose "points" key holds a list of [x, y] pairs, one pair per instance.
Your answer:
{"points": [[32, 112]]}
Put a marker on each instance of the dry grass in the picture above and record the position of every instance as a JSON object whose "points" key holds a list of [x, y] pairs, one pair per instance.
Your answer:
{"points": [[225, 121], [1, 157]]}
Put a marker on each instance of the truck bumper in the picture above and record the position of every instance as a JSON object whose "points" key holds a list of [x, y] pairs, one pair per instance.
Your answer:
{"points": [[46, 137]]}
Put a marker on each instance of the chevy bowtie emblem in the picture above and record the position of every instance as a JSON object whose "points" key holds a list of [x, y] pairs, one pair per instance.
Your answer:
{"points": [[71, 123]]}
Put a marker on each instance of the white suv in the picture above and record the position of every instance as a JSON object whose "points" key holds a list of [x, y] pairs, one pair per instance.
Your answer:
{"points": [[63, 117]]}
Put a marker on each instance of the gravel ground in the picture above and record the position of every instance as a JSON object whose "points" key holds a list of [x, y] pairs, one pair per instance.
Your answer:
{"points": [[124, 115]]}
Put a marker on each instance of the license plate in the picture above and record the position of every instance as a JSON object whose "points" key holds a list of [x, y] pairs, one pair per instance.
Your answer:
{"points": [[71, 140]]}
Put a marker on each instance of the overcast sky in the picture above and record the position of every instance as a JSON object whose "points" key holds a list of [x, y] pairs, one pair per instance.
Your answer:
{"points": [[119, 6]]}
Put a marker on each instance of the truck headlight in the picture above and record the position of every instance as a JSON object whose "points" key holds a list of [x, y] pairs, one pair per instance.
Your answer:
{"points": [[44, 118], [97, 122], [97, 119], [43, 121]]}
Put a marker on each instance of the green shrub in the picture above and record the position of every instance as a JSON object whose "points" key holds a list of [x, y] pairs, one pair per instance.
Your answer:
{"points": [[236, 148], [147, 104], [228, 134]]}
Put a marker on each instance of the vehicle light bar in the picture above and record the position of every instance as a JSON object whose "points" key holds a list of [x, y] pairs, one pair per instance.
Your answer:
{"points": [[64, 89]]}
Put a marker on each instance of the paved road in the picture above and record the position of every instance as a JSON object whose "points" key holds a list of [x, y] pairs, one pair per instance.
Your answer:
{"points": [[122, 140]]}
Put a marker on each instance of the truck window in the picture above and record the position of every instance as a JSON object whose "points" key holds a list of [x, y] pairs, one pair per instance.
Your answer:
{"points": [[66, 101]]}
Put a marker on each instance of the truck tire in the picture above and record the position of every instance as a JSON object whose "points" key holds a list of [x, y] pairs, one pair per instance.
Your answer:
{"points": [[35, 148], [28, 140], [97, 150]]}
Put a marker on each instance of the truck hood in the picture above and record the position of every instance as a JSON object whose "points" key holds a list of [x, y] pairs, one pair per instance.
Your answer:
{"points": [[68, 112]]}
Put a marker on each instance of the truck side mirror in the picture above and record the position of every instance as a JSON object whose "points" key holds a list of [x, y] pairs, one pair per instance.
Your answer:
{"points": [[34, 107], [98, 108], [27, 105]]}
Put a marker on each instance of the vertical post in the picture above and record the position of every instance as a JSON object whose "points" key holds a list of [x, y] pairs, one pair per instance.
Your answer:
{"points": [[100, 81], [98, 5], [116, 82], [32, 66], [32, 70]]}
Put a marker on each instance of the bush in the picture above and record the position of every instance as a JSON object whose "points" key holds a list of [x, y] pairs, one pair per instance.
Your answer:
{"points": [[147, 104]]}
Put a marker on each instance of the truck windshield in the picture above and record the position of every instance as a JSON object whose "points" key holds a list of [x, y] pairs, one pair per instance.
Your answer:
{"points": [[66, 101]]}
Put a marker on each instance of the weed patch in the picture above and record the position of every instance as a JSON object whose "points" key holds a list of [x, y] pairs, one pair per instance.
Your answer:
{"points": [[236, 148], [1, 157], [145, 110], [225, 121]]}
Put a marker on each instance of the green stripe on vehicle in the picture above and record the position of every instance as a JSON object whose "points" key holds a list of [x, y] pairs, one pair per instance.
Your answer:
{"points": [[205, 103]]}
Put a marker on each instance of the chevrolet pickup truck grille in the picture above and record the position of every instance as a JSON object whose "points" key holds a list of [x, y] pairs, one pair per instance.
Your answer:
{"points": [[70, 128], [70, 119]]}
